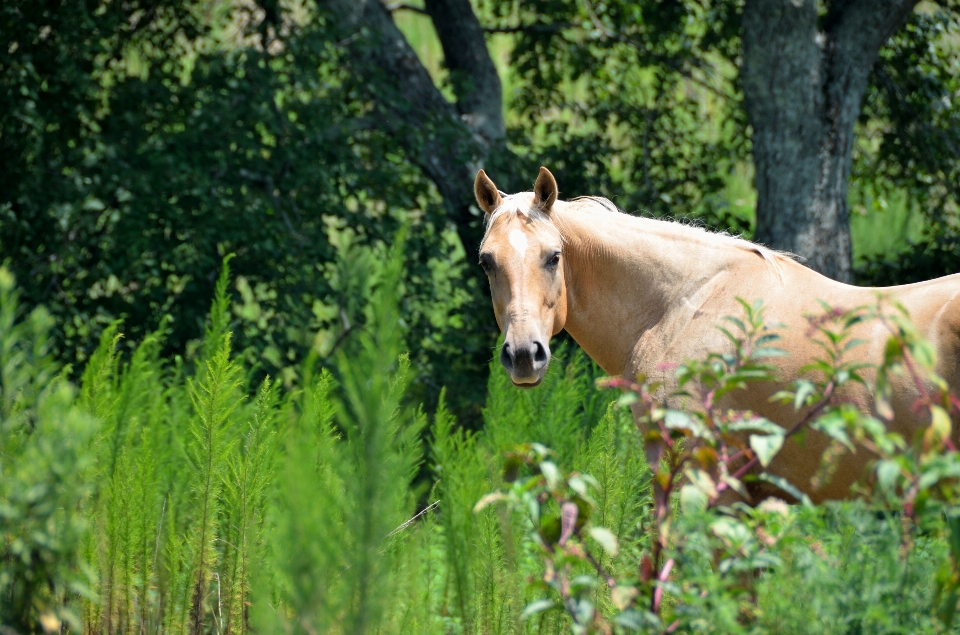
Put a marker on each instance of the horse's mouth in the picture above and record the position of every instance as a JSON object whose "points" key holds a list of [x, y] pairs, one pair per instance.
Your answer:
{"points": [[527, 385]]}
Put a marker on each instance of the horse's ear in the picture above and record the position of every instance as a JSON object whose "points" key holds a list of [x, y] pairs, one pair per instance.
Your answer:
{"points": [[488, 197], [545, 190]]}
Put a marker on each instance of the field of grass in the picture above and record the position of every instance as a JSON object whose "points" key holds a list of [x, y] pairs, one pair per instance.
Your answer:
{"points": [[151, 497]]}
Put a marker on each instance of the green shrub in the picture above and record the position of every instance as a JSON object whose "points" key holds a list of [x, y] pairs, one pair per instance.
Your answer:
{"points": [[159, 497], [44, 470]]}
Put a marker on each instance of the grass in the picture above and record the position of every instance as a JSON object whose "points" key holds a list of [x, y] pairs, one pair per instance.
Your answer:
{"points": [[155, 498]]}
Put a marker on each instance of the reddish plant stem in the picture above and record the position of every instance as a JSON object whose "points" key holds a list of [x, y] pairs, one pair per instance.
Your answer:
{"points": [[658, 592], [810, 416], [915, 376]]}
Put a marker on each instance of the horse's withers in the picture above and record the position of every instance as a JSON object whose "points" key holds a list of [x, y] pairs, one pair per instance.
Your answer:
{"points": [[530, 309]]}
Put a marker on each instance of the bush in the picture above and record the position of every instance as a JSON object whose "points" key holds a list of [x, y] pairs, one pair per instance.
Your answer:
{"points": [[164, 498]]}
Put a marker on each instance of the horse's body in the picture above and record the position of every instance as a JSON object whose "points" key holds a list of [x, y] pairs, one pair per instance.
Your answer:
{"points": [[637, 292]]}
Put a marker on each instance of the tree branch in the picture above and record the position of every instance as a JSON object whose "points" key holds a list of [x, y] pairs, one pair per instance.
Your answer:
{"points": [[803, 89], [531, 28], [400, 6], [411, 107], [855, 30], [472, 72]]}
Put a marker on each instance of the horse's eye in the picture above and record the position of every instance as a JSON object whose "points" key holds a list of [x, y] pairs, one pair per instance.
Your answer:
{"points": [[554, 260], [485, 264]]}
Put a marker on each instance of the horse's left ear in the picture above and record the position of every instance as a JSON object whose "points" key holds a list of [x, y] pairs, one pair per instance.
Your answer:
{"points": [[545, 190]]}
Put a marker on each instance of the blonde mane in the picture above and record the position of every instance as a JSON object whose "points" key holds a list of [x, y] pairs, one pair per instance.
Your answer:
{"points": [[772, 257], [521, 205]]}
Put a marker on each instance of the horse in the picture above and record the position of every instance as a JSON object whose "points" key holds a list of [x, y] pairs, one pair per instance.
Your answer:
{"points": [[636, 293]]}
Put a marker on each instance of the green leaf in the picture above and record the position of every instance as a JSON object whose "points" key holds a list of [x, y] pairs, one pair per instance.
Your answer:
{"points": [[770, 351], [892, 352], [584, 611], [627, 399], [924, 353], [787, 487], [769, 337], [679, 420], [805, 388], [578, 485], [730, 529], [739, 323], [606, 539], [940, 422], [635, 620], [584, 581], [537, 606], [766, 446], [736, 485], [702, 481], [730, 336], [551, 473], [953, 524], [757, 424], [882, 404], [857, 341], [834, 425]]}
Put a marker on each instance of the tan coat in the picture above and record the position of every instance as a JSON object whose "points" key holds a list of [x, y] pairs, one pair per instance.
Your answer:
{"points": [[636, 292]]}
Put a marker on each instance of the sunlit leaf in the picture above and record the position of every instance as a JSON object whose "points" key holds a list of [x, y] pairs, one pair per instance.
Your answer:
{"points": [[757, 424], [537, 606], [766, 446], [551, 473], [606, 538], [622, 596], [692, 499]]}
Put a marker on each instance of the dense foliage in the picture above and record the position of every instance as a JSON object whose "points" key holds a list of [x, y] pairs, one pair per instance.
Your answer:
{"points": [[142, 141], [154, 497]]}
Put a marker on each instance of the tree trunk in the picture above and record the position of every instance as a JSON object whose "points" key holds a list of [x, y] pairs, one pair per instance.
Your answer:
{"points": [[472, 73], [803, 82], [449, 142]]}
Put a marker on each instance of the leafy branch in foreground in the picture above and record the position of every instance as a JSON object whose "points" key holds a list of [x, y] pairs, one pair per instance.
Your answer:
{"points": [[705, 459], [560, 507]]}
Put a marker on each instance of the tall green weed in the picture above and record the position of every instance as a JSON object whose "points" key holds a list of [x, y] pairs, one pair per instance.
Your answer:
{"points": [[44, 475], [158, 498]]}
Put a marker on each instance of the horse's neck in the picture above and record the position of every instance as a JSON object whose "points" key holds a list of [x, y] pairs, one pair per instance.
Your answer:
{"points": [[625, 274]]}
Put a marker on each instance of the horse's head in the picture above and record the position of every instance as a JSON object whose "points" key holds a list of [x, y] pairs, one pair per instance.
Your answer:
{"points": [[522, 254]]}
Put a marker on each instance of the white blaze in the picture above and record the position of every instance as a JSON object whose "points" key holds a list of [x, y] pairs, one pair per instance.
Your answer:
{"points": [[519, 241]]}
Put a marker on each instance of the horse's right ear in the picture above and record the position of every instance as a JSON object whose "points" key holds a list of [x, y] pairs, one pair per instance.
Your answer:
{"points": [[488, 197]]}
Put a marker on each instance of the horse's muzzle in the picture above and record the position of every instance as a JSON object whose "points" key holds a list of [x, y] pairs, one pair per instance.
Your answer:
{"points": [[526, 362]]}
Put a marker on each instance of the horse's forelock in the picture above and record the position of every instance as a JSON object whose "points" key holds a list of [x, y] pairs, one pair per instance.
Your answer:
{"points": [[520, 206]]}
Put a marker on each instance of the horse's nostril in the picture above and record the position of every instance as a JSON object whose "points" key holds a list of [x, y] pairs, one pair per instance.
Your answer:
{"points": [[539, 353], [505, 357]]}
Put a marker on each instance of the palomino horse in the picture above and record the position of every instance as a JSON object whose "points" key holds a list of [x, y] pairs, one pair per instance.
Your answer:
{"points": [[637, 292]]}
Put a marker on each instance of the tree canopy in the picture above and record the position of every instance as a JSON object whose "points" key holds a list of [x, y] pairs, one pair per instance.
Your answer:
{"points": [[141, 142]]}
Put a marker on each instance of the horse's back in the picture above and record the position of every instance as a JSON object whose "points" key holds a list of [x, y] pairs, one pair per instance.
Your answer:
{"points": [[934, 308]]}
